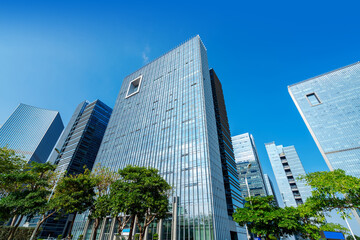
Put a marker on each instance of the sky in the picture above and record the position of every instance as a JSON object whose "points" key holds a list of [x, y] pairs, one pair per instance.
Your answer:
{"points": [[55, 54]]}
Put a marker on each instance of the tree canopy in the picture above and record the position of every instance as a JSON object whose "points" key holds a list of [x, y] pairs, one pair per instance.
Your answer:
{"points": [[264, 218], [75, 194], [334, 190], [140, 192]]}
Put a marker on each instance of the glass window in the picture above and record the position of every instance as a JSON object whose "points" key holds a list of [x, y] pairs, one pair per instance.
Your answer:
{"points": [[134, 87], [313, 99]]}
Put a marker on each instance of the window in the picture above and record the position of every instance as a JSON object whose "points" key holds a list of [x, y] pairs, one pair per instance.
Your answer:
{"points": [[134, 87], [313, 99]]}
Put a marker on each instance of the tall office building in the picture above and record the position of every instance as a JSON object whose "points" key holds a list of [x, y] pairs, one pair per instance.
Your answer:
{"points": [[164, 117], [230, 174], [287, 167], [330, 107], [245, 154], [77, 147], [31, 132], [270, 188]]}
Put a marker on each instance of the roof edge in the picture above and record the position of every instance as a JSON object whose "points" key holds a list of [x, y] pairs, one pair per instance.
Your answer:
{"points": [[323, 74]]}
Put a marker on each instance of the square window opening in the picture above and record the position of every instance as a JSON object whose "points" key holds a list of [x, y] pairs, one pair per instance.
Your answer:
{"points": [[313, 99], [134, 87]]}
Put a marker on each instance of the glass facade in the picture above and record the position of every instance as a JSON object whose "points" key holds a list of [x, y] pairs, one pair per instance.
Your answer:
{"points": [[270, 188], [31, 132], [330, 106], [287, 167], [78, 147], [246, 153], [231, 179], [167, 121]]}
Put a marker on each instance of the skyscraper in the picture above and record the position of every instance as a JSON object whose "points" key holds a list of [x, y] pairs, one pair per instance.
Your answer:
{"points": [[31, 132], [77, 147], [164, 117], [230, 174], [287, 167], [330, 107], [270, 188], [245, 154]]}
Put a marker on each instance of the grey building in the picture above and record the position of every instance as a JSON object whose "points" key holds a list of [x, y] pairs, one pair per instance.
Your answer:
{"points": [[287, 167], [31, 132], [270, 188], [77, 147], [330, 107], [164, 117], [245, 154]]}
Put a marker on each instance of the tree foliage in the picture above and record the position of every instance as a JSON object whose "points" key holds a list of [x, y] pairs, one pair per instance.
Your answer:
{"points": [[75, 194], [334, 190], [101, 206], [12, 167], [29, 192], [139, 192], [263, 217]]}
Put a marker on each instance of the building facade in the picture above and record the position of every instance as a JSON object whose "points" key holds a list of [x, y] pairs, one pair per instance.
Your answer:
{"points": [[270, 188], [287, 167], [32, 132], [164, 118], [77, 148], [245, 154], [230, 174], [330, 107]]}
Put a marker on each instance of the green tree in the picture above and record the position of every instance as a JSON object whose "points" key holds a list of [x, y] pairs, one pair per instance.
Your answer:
{"points": [[12, 169], [101, 206], [140, 193], [334, 190], [75, 194], [31, 194], [264, 218], [121, 204], [48, 207]]}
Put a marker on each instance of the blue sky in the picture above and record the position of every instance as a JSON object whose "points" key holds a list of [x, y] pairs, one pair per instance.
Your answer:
{"points": [[54, 54]]}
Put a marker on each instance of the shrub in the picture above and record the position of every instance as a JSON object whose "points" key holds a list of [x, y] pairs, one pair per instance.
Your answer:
{"points": [[20, 234]]}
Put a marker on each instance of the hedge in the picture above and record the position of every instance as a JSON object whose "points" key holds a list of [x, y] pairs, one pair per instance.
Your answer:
{"points": [[22, 233]]}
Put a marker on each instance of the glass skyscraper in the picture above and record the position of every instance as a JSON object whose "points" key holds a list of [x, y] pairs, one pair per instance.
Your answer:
{"points": [[270, 188], [287, 167], [330, 107], [32, 132], [77, 147], [230, 174], [245, 154], [164, 117]]}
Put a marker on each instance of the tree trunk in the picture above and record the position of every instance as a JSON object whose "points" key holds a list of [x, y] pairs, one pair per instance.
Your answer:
{"points": [[13, 221], [33, 236], [131, 227], [142, 233], [96, 226], [71, 226], [13, 230], [120, 228]]}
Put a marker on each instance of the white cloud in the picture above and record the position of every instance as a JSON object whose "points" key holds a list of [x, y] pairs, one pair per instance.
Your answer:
{"points": [[145, 54]]}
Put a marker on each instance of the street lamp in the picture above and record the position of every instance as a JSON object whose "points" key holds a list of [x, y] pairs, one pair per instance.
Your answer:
{"points": [[246, 181]]}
